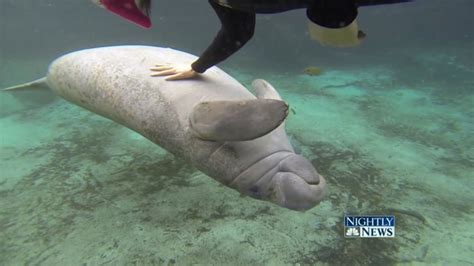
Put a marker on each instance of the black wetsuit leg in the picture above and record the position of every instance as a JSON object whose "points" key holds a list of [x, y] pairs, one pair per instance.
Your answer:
{"points": [[236, 30]]}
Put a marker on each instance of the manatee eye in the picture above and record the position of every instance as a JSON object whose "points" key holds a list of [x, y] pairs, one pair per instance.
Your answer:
{"points": [[254, 191]]}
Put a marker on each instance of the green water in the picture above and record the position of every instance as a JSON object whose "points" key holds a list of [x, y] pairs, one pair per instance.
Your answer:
{"points": [[389, 126]]}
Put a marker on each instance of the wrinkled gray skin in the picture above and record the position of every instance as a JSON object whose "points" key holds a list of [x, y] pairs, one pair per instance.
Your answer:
{"points": [[115, 82]]}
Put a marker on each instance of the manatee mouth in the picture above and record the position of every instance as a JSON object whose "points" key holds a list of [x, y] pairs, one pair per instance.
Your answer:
{"points": [[292, 192], [300, 167], [292, 183], [313, 184], [297, 185]]}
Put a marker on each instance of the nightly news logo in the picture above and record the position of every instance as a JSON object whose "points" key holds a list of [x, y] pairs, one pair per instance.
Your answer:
{"points": [[369, 226]]}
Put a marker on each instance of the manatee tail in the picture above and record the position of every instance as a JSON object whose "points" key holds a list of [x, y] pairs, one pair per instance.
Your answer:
{"points": [[33, 85], [34, 94]]}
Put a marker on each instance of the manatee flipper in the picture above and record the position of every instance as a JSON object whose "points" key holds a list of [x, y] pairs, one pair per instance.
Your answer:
{"points": [[39, 83], [264, 90], [237, 120]]}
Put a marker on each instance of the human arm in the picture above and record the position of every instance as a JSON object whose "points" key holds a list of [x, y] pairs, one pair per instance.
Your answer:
{"points": [[236, 30]]}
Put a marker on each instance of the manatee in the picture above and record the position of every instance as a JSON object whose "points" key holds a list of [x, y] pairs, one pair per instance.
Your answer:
{"points": [[212, 122]]}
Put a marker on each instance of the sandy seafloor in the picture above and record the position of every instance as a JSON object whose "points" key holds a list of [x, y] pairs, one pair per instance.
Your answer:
{"points": [[78, 189]]}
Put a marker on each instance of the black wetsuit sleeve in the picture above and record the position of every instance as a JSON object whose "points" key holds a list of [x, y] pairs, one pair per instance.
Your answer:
{"points": [[237, 28], [380, 2]]}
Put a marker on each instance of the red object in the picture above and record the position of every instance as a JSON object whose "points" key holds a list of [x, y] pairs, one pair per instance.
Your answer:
{"points": [[128, 10]]}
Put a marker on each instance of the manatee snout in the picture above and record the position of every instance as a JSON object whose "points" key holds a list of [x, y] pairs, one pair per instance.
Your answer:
{"points": [[296, 185]]}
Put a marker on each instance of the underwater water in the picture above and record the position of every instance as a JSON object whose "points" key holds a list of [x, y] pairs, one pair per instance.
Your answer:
{"points": [[389, 124]]}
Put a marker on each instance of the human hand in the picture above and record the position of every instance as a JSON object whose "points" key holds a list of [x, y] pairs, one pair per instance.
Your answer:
{"points": [[174, 71]]}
